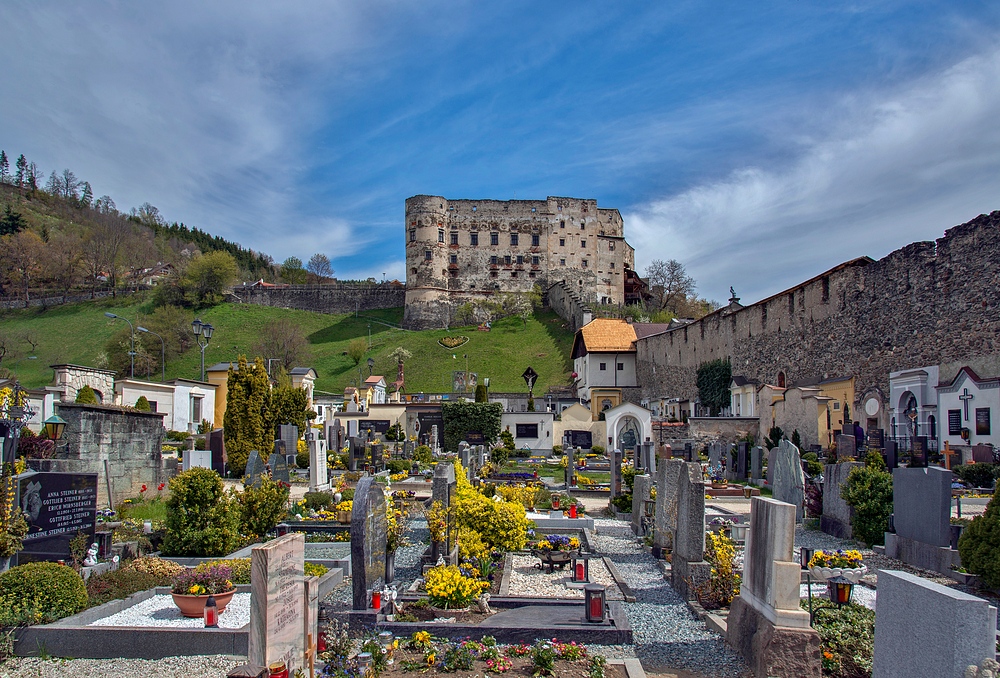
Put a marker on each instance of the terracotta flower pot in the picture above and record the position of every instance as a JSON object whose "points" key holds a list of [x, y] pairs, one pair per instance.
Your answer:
{"points": [[194, 606]]}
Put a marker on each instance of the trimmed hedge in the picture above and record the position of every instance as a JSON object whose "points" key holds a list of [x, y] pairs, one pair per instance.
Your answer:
{"points": [[37, 593]]}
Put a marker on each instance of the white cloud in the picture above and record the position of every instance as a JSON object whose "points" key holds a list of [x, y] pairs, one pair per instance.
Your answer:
{"points": [[897, 167]]}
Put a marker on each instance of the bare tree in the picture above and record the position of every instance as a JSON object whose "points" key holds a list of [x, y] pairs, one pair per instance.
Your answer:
{"points": [[319, 267], [138, 254], [34, 176], [70, 184], [21, 254], [63, 260], [283, 339], [670, 283]]}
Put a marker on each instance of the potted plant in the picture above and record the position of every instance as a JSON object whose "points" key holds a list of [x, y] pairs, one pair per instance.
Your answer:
{"points": [[343, 510], [718, 477], [826, 564], [555, 550], [192, 587]]}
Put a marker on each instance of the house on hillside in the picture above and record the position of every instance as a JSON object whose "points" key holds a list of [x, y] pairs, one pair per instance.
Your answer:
{"points": [[604, 359]]}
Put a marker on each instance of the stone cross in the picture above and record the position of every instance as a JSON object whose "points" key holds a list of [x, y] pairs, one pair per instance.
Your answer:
{"points": [[965, 398]]}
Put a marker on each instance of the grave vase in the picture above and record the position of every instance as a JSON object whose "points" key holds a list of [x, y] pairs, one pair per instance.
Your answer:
{"points": [[390, 567]]}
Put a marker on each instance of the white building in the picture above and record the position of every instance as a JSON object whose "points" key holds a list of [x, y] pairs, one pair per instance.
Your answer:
{"points": [[743, 397], [531, 430], [967, 405], [185, 402], [374, 390], [604, 356]]}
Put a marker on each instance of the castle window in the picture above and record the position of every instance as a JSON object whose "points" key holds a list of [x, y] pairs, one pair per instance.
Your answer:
{"points": [[532, 209], [534, 261], [583, 243], [621, 366], [513, 274], [826, 290], [612, 265], [453, 258], [474, 239], [584, 263], [493, 260], [454, 273], [562, 224], [493, 274], [440, 235], [413, 235], [427, 255], [583, 224], [494, 238], [560, 208], [454, 237], [562, 262], [506, 260], [474, 208], [611, 247], [513, 238], [562, 242], [531, 274], [534, 240], [520, 259]]}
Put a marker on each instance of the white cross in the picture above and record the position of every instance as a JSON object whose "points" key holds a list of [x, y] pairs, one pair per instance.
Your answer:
{"points": [[965, 398]]}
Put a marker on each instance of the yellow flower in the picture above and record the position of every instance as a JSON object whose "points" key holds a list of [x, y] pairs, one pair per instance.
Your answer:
{"points": [[430, 659]]}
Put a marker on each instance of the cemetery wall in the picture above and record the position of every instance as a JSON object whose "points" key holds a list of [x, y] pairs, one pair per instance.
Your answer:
{"points": [[458, 250], [129, 440], [728, 429], [927, 303], [339, 298]]}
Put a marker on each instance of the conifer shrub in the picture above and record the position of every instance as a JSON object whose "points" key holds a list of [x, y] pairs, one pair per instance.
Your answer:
{"points": [[86, 396], [979, 545], [142, 404], [40, 592], [262, 507], [202, 519]]}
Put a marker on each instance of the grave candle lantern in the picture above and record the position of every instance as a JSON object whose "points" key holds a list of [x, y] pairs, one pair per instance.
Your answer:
{"points": [[840, 590], [581, 568], [594, 602], [385, 641], [805, 555], [322, 620], [211, 613], [278, 670], [376, 600], [365, 664], [572, 510]]}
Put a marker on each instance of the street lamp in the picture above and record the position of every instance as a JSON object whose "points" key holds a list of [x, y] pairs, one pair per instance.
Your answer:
{"points": [[132, 352], [163, 353], [200, 330], [54, 427]]}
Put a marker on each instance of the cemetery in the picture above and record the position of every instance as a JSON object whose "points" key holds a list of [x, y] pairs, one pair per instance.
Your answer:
{"points": [[363, 555]]}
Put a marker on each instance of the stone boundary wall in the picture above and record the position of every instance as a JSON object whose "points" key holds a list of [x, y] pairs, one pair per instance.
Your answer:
{"points": [[924, 304], [568, 305], [52, 299], [342, 298]]}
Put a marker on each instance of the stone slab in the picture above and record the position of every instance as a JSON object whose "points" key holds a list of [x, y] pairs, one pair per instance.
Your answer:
{"points": [[836, 518], [788, 481], [772, 651], [925, 629], [941, 559], [921, 504]]}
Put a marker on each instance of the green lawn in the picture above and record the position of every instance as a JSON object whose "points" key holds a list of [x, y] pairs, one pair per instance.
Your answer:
{"points": [[77, 333]]}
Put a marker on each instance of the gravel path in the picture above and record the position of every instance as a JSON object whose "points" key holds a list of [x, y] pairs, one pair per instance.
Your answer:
{"points": [[667, 634]]}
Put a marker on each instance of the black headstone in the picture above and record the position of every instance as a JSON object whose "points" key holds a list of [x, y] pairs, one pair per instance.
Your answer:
{"points": [[217, 444], [918, 456], [279, 467], [56, 506], [254, 469], [582, 439], [688, 452], [876, 438], [742, 451], [368, 540], [890, 454]]}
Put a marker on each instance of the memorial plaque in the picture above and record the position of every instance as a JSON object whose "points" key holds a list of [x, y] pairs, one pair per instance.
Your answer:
{"points": [[475, 438], [582, 439], [918, 457], [56, 507], [276, 602], [982, 454], [377, 428], [954, 422], [876, 438], [368, 540], [982, 421]]}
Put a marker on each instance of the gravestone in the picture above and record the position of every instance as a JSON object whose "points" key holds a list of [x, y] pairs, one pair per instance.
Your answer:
{"points": [[667, 482], [982, 454], [919, 454], [368, 540], [464, 454], [847, 447], [255, 470], [378, 456], [571, 455], [435, 447], [279, 467], [665, 452], [689, 570], [925, 629], [310, 617], [766, 625], [217, 445], [714, 454], [836, 518], [318, 469], [56, 506], [875, 439], [640, 494], [789, 483], [757, 464], [355, 453], [742, 463], [771, 455], [616, 473], [196, 458], [688, 452], [352, 428], [921, 504], [276, 619], [289, 434], [890, 455], [336, 436], [731, 462], [648, 457]]}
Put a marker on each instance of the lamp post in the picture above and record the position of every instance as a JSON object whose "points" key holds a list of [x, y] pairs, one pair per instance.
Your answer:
{"points": [[163, 353], [486, 383], [131, 327], [200, 330]]}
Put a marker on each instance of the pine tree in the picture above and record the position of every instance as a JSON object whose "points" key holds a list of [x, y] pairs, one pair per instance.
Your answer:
{"points": [[247, 402], [21, 171], [11, 222], [4, 167], [54, 185], [87, 196]]}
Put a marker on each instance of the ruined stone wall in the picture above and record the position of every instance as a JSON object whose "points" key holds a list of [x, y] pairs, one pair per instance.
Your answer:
{"points": [[340, 298], [467, 248], [130, 441], [924, 304]]}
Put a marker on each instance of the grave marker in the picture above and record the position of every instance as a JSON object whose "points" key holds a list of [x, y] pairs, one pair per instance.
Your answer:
{"points": [[757, 464], [688, 566], [276, 602], [368, 540], [640, 495], [836, 518], [742, 465], [289, 435], [890, 455], [318, 470], [847, 446], [56, 506], [982, 454], [714, 454], [789, 482], [217, 445], [667, 482], [279, 466], [254, 470]]}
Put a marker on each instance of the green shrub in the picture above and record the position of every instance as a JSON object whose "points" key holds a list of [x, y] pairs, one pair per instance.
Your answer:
{"points": [[501, 525], [598, 450], [40, 592], [86, 396], [347, 494], [979, 545], [423, 454], [142, 404], [623, 502], [302, 457], [978, 475], [847, 638], [315, 569], [398, 465], [201, 519], [177, 436], [868, 490], [262, 507], [813, 467], [120, 584], [317, 501]]}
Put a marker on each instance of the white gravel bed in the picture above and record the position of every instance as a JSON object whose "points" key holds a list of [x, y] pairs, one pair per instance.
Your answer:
{"points": [[160, 611], [527, 581], [169, 667]]}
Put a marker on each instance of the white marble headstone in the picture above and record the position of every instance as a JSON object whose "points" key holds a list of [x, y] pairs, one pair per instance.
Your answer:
{"points": [[276, 602]]}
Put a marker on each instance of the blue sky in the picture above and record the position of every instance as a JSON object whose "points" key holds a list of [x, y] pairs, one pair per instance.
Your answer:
{"points": [[757, 143]]}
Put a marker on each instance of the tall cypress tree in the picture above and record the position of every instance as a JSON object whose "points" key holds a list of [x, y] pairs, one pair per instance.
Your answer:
{"points": [[246, 422]]}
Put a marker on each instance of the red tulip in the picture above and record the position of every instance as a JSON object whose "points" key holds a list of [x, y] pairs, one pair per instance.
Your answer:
{"points": [[160, 487], [142, 489]]}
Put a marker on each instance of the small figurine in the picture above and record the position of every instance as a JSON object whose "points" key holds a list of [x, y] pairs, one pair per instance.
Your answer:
{"points": [[91, 558], [484, 604]]}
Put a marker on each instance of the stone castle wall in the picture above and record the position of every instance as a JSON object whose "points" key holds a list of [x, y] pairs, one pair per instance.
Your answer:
{"points": [[565, 302], [457, 250], [924, 304], [339, 298]]}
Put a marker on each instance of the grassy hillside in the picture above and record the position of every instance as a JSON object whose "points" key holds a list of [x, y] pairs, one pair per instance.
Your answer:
{"points": [[77, 333]]}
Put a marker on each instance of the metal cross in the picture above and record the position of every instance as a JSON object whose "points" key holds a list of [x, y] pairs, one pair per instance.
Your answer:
{"points": [[965, 398]]}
